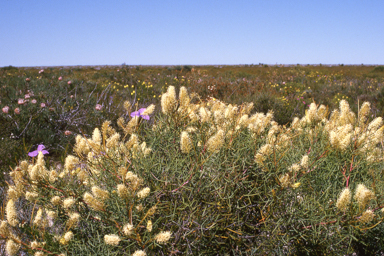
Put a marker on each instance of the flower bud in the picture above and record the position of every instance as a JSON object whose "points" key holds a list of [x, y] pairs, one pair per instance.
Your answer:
{"points": [[5, 109]]}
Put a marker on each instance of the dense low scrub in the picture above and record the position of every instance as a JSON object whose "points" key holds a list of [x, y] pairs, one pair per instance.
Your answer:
{"points": [[206, 177]]}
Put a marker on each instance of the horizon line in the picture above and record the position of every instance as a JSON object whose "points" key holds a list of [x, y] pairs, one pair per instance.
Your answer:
{"points": [[173, 65]]}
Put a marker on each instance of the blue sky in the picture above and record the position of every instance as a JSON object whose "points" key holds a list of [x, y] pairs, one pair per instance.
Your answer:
{"points": [[82, 32]]}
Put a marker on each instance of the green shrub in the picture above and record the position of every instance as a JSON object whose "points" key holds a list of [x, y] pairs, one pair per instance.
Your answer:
{"points": [[378, 69], [187, 68], [9, 68], [223, 182]]}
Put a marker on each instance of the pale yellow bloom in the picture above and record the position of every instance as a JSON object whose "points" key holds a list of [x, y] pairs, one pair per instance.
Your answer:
{"points": [[184, 97], [344, 199], [40, 159], [68, 236], [113, 140], [149, 226], [378, 121], [163, 237], [35, 244], [285, 180], [56, 200], [68, 202], [296, 185], [81, 145], [363, 195], [51, 214], [31, 196], [168, 101], [112, 239], [215, 143], [53, 176], [304, 162], [11, 213], [204, 114], [11, 247], [139, 253], [128, 229], [144, 192], [127, 105], [74, 218], [294, 167], [96, 136], [367, 216], [4, 228], [100, 193], [39, 217], [364, 111], [149, 110], [93, 202], [139, 207], [13, 193], [70, 162], [185, 142], [122, 191]]}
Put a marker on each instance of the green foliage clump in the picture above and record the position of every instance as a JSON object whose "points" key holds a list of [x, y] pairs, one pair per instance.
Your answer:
{"points": [[9, 68], [378, 69]]}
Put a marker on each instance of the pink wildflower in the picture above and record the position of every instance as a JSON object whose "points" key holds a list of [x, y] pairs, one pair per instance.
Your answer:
{"points": [[98, 107]]}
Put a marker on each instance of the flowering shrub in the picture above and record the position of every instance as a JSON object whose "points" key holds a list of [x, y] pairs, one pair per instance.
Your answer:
{"points": [[241, 182], [207, 177], [94, 197]]}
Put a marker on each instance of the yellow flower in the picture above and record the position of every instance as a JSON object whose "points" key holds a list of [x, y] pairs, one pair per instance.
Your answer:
{"points": [[296, 185], [143, 193], [344, 199], [139, 253], [63, 241], [149, 226], [367, 216], [163, 237], [112, 239]]}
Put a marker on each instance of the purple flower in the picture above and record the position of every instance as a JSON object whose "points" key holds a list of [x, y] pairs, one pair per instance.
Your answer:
{"points": [[36, 152], [140, 113]]}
